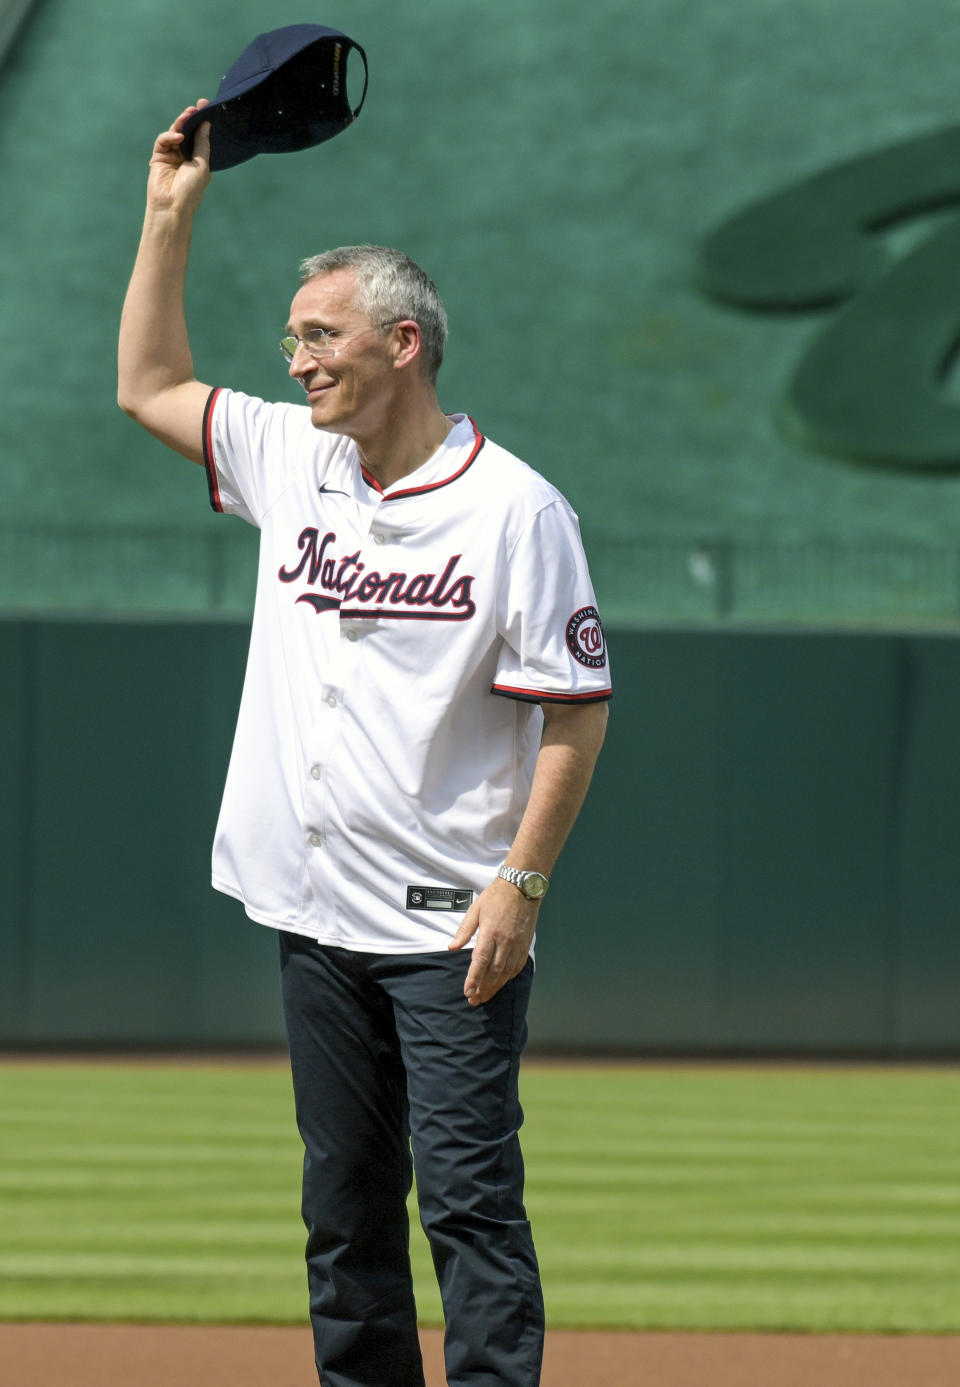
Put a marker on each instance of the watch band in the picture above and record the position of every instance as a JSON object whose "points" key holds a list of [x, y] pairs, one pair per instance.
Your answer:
{"points": [[531, 884]]}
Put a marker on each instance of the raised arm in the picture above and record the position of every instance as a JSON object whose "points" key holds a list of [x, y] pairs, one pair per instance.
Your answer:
{"points": [[157, 386]]}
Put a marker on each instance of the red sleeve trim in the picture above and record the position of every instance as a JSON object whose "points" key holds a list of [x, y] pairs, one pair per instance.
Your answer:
{"points": [[210, 467], [543, 696]]}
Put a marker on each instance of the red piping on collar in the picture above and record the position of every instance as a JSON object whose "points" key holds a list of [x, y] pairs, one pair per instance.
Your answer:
{"points": [[371, 481]]}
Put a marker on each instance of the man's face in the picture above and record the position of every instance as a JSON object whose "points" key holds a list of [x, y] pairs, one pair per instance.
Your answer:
{"points": [[349, 386]]}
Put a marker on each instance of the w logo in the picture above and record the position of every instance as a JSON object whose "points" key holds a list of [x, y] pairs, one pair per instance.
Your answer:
{"points": [[872, 385]]}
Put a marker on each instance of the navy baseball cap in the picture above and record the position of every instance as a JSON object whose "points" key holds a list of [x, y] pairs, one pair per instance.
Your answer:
{"points": [[286, 91]]}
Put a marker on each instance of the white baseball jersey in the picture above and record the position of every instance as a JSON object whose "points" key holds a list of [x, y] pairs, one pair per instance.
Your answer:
{"points": [[402, 642]]}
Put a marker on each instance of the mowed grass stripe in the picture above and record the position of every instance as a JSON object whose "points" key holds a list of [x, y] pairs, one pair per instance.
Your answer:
{"points": [[732, 1304], [198, 1264], [704, 1198]]}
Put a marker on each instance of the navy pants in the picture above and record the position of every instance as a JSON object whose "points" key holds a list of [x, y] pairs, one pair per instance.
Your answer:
{"points": [[387, 1055]]}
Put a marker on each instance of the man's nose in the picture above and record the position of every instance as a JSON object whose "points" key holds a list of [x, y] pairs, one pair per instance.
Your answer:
{"points": [[301, 362]]}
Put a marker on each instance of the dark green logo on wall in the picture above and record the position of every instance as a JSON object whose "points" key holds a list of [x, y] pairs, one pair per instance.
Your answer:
{"points": [[872, 386]]}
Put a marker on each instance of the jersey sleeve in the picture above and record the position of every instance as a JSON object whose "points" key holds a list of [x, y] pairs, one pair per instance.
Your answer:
{"points": [[553, 648], [248, 446]]}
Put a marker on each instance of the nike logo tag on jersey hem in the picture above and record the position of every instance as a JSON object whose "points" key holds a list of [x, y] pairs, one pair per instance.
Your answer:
{"points": [[438, 898]]}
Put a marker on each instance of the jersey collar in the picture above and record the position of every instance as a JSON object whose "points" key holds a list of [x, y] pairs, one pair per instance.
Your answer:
{"points": [[450, 461]]}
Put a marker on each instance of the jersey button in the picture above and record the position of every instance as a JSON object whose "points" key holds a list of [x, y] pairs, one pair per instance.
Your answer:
{"points": [[316, 840], [351, 634], [379, 539], [316, 772], [332, 700]]}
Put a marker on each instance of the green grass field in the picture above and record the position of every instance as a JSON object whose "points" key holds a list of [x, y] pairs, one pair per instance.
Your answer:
{"points": [[709, 1198]]}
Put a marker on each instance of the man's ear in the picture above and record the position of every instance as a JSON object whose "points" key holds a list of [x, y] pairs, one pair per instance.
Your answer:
{"points": [[409, 342]]}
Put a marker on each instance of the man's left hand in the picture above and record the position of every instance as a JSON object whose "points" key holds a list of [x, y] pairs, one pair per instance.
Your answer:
{"points": [[504, 922]]}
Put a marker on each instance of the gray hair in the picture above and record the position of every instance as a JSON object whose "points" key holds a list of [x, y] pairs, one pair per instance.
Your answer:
{"points": [[390, 286]]}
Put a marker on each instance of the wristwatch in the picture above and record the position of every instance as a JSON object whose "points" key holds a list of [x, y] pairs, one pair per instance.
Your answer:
{"points": [[532, 884]]}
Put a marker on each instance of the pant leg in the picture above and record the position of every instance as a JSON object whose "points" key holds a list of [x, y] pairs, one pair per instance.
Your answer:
{"points": [[462, 1067], [352, 1113]]}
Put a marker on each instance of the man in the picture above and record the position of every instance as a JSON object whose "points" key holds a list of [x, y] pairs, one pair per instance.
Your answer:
{"points": [[424, 702]]}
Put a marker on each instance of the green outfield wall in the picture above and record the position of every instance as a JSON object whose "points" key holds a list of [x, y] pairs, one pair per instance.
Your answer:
{"points": [[767, 861], [702, 273]]}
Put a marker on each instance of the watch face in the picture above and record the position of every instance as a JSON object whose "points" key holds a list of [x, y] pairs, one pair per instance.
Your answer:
{"points": [[534, 885]]}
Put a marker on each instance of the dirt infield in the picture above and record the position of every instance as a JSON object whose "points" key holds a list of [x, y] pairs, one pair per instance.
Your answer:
{"points": [[89, 1355]]}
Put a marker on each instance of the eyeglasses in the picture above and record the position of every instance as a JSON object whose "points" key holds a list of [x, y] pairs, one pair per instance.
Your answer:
{"points": [[320, 342]]}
